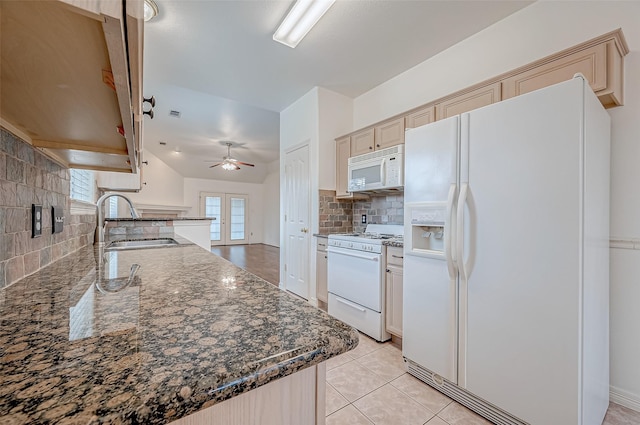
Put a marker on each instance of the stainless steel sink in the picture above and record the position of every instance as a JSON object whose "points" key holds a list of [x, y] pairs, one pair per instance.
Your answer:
{"points": [[141, 244]]}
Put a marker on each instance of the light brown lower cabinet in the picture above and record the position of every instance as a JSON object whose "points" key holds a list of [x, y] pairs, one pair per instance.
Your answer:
{"points": [[393, 315], [321, 270], [297, 399]]}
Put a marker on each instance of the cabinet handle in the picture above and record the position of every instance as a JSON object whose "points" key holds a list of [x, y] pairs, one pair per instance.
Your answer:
{"points": [[388, 271], [151, 100], [325, 256], [378, 146], [397, 256], [149, 112], [370, 147]]}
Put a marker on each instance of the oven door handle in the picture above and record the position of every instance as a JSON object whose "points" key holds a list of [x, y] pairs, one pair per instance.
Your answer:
{"points": [[352, 305], [353, 254]]}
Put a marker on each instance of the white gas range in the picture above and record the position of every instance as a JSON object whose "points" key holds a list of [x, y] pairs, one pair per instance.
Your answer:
{"points": [[356, 277]]}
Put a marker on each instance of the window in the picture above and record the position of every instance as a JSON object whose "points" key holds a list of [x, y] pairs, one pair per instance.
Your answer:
{"points": [[82, 185], [113, 207]]}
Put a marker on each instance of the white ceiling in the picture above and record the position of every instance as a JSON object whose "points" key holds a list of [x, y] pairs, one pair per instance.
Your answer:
{"points": [[216, 63]]}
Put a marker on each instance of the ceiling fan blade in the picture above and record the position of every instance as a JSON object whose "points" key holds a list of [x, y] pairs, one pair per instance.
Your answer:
{"points": [[215, 165], [245, 163]]}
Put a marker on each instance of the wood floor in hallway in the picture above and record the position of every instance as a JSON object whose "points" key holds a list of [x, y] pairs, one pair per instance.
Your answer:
{"points": [[259, 259]]}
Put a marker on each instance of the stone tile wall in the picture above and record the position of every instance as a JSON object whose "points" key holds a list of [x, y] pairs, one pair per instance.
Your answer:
{"points": [[335, 214], [28, 177], [382, 209], [117, 230]]}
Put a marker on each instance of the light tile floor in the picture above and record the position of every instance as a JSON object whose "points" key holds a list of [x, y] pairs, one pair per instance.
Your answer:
{"points": [[369, 385]]}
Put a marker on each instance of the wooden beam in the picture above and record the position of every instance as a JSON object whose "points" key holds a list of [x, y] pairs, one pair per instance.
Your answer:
{"points": [[51, 144]]}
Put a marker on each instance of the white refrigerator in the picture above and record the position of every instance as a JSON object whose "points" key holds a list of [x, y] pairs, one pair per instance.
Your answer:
{"points": [[506, 257]]}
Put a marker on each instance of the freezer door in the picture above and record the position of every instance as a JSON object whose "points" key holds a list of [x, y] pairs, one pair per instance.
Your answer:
{"points": [[520, 259], [431, 161], [429, 317]]}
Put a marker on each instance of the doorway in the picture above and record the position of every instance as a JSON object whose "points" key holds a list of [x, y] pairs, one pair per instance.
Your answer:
{"points": [[297, 202], [229, 214]]}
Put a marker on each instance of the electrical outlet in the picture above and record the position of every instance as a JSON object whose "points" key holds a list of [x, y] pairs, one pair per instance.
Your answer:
{"points": [[364, 218], [36, 220]]}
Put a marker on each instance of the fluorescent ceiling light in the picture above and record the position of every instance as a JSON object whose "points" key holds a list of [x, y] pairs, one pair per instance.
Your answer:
{"points": [[150, 10], [301, 18]]}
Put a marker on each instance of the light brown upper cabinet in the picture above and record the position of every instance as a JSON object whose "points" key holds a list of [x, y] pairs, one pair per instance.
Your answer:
{"points": [[385, 135], [466, 102], [362, 142], [389, 134], [343, 151], [71, 78], [420, 117], [601, 65]]}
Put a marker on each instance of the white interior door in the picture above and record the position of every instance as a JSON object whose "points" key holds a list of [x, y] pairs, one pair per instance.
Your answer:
{"points": [[297, 203], [229, 224]]}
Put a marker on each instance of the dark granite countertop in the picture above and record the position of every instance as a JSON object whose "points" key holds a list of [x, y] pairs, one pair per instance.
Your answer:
{"points": [[158, 218], [318, 235], [393, 242], [83, 343]]}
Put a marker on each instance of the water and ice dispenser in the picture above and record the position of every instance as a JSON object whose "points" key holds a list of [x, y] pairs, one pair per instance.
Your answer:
{"points": [[427, 221]]}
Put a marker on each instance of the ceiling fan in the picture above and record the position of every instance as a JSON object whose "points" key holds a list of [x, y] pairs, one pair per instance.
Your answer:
{"points": [[229, 163]]}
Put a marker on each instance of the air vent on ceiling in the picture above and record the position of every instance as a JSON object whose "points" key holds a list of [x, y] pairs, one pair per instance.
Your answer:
{"points": [[175, 114]]}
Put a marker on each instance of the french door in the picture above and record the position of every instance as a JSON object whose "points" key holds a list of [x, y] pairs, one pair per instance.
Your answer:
{"points": [[229, 224]]}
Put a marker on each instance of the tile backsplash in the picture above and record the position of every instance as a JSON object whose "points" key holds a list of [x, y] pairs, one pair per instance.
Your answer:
{"points": [[345, 215], [28, 177], [381, 209], [336, 215]]}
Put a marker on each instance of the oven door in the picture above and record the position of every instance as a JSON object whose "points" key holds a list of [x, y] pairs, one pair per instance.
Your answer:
{"points": [[356, 276]]}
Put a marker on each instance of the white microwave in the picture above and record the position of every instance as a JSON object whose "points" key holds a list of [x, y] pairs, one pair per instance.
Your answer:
{"points": [[383, 169]]}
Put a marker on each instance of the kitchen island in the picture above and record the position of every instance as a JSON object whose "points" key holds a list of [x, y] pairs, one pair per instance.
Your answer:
{"points": [[155, 335]]}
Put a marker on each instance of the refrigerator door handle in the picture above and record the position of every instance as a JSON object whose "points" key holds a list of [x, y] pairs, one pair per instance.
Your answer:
{"points": [[449, 233], [462, 200]]}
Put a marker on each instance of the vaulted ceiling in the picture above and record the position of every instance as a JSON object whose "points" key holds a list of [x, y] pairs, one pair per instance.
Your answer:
{"points": [[216, 64]]}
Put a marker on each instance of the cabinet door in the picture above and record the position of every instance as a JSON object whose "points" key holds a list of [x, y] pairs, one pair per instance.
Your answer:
{"points": [[394, 300], [468, 101], [591, 62], [362, 142], [389, 134], [321, 276], [343, 151], [420, 117]]}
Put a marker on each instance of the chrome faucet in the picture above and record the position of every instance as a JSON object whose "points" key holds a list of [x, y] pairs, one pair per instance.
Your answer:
{"points": [[102, 222]]}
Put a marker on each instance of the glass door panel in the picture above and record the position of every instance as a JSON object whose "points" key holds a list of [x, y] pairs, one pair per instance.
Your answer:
{"points": [[229, 217]]}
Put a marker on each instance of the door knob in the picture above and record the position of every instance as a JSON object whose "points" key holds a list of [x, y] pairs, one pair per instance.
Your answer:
{"points": [[304, 230]]}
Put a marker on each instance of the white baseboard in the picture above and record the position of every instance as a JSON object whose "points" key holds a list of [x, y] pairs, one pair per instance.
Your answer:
{"points": [[624, 398]]}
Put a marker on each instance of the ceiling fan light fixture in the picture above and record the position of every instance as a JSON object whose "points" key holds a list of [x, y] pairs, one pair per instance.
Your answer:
{"points": [[301, 18], [229, 166], [150, 10]]}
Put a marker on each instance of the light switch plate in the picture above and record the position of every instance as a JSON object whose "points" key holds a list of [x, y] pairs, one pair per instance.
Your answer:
{"points": [[57, 217], [36, 220], [364, 218]]}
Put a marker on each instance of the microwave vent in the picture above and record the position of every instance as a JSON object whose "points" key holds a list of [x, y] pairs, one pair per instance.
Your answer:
{"points": [[377, 154]]}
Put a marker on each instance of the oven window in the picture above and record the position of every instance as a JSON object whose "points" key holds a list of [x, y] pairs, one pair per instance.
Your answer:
{"points": [[369, 174]]}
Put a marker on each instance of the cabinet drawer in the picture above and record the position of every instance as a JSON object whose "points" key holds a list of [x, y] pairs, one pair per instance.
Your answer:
{"points": [[321, 244], [394, 255]]}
